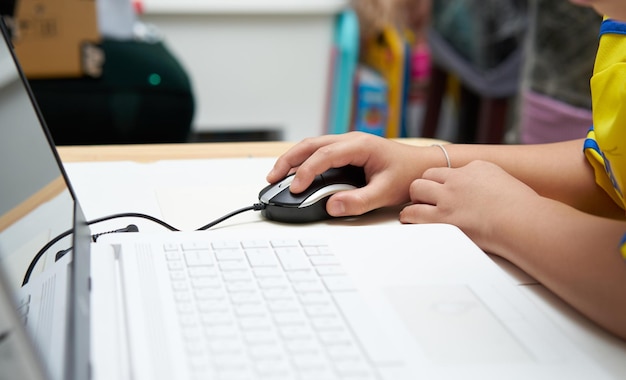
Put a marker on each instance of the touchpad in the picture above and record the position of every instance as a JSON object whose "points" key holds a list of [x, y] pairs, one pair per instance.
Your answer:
{"points": [[452, 324]]}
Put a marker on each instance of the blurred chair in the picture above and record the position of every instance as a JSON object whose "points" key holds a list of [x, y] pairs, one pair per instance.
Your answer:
{"points": [[481, 44], [143, 96]]}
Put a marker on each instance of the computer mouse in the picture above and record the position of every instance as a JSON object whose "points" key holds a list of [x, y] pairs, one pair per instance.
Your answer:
{"points": [[282, 205]]}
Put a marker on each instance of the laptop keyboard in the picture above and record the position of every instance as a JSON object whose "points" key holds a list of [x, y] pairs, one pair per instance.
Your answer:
{"points": [[270, 309]]}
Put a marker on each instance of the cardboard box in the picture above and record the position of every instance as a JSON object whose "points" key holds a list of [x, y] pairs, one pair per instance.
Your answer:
{"points": [[57, 38]]}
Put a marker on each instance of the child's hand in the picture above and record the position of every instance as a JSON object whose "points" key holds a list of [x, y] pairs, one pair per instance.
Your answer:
{"points": [[478, 198], [389, 166]]}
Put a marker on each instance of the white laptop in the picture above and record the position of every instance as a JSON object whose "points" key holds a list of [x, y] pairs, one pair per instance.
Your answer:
{"points": [[307, 302]]}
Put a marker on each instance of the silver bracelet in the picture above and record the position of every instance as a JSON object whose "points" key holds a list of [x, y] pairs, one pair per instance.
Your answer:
{"points": [[445, 153]]}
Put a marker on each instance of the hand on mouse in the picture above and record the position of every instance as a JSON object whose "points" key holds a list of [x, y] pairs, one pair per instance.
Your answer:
{"points": [[389, 167]]}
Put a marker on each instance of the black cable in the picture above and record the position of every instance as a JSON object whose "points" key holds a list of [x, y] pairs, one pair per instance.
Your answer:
{"points": [[129, 228], [45, 248], [255, 207], [133, 215]]}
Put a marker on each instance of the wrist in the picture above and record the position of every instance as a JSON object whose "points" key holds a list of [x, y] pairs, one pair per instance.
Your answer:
{"points": [[445, 154]]}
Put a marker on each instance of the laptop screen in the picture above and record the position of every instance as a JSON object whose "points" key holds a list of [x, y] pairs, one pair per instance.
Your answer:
{"points": [[36, 207]]}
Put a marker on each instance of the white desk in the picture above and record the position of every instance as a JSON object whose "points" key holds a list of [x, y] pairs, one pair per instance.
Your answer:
{"points": [[189, 193], [255, 65]]}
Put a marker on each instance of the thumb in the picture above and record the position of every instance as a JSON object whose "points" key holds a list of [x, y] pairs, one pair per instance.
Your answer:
{"points": [[353, 202]]}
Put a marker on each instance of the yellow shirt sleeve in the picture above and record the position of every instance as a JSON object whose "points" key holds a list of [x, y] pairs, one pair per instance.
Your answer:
{"points": [[605, 146]]}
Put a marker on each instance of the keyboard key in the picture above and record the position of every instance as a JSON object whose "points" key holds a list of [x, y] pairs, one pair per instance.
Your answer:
{"points": [[234, 276], [255, 323], [195, 245], [201, 272], [170, 247], [285, 318], [216, 318], [249, 310], [261, 258], [295, 332], [261, 338], [173, 255], [285, 243], [292, 261], [317, 310], [273, 283], [233, 265], [207, 281], [282, 305], [229, 254], [198, 258], [308, 361], [241, 286], [209, 294], [178, 275], [296, 346], [225, 244], [330, 270], [175, 265], [308, 287], [314, 298], [337, 337], [211, 306], [252, 297], [268, 272], [313, 243], [255, 244], [327, 323], [317, 251], [278, 294], [324, 260], [302, 275], [221, 332]]}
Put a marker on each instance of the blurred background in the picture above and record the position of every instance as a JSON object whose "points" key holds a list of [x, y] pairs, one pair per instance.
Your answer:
{"points": [[170, 71]]}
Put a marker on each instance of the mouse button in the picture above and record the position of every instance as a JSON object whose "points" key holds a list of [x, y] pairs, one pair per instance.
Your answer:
{"points": [[287, 198], [270, 191], [325, 193]]}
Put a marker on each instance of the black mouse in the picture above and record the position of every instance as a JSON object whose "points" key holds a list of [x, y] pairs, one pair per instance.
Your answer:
{"points": [[282, 205]]}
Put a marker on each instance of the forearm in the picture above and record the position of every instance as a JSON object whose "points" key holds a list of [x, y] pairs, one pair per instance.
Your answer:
{"points": [[558, 171], [574, 254]]}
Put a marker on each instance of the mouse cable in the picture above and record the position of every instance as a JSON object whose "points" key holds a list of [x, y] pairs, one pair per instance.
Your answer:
{"points": [[255, 207], [129, 228]]}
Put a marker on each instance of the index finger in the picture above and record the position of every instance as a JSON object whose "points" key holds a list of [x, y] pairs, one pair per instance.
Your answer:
{"points": [[293, 157], [310, 157]]}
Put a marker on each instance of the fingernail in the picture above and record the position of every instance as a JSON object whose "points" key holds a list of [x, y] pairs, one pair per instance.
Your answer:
{"points": [[336, 208]]}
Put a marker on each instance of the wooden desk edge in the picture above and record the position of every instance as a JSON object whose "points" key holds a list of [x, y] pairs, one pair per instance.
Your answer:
{"points": [[186, 151]]}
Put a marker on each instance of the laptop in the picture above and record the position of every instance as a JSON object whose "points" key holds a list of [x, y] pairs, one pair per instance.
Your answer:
{"points": [[345, 301]]}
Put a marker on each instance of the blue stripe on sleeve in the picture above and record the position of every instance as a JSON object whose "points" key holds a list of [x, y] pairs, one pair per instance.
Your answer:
{"points": [[612, 26], [591, 144]]}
